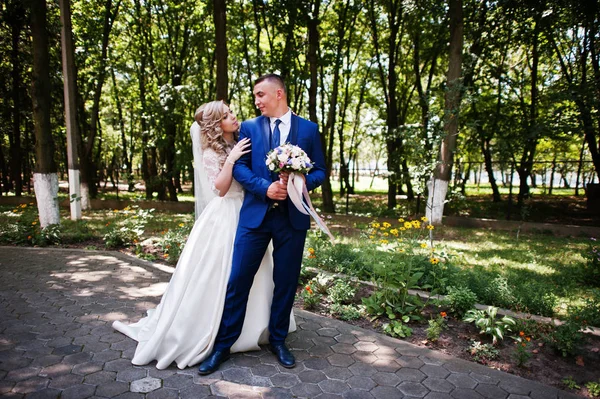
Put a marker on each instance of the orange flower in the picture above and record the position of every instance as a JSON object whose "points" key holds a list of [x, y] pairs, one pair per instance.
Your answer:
{"points": [[443, 314], [521, 334], [527, 339], [29, 237], [308, 289]]}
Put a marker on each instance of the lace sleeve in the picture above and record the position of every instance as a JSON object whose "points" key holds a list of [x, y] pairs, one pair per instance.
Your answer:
{"points": [[212, 165]]}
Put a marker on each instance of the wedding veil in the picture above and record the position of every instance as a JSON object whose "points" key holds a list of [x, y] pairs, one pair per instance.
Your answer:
{"points": [[202, 192]]}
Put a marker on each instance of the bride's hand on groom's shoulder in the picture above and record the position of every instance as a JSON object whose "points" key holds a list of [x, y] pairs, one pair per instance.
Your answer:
{"points": [[242, 147]]}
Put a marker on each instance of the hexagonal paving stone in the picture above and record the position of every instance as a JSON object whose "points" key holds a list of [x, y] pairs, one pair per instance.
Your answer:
{"points": [[316, 363], [77, 358], [67, 350], [313, 376], [338, 373], [194, 392], [264, 370], [438, 385], [344, 348], [346, 338], [434, 371], [357, 395], [100, 377], [31, 385], [386, 365], [339, 359], [364, 370], [238, 375], [79, 391], [362, 383], [386, 393], [328, 332], [385, 353], [407, 374], [145, 385], [461, 393], [284, 380], [66, 381], [320, 351], [334, 386], [366, 346], [461, 380], [386, 379], [22, 374], [47, 393], [131, 374], [491, 391], [410, 362], [106, 355], [307, 390], [47, 360], [112, 389], [163, 393], [87, 368], [413, 389], [117, 365]]}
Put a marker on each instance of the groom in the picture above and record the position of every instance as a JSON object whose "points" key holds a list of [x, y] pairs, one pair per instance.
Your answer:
{"points": [[266, 215]]}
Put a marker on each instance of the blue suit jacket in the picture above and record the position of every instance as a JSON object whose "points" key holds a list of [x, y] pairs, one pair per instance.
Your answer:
{"points": [[252, 172]]}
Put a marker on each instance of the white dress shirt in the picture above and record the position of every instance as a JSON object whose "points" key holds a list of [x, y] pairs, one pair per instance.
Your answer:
{"points": [[284, 126]]}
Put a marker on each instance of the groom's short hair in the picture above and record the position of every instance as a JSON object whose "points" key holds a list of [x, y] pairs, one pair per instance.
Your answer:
{"points": [[274, 78]]}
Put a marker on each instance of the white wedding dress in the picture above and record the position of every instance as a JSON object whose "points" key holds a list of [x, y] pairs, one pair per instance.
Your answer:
{"points": [[184, 326]]}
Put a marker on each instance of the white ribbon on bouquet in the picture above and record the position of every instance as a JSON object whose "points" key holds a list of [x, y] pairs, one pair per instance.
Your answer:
{"points": [[296, 191]]}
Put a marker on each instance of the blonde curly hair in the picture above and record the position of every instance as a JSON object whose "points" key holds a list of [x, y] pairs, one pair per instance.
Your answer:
{"points": [[209, 117]]}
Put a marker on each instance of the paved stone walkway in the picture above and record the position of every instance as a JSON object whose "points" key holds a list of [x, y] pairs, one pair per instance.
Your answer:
{"points": [[56, 341]]}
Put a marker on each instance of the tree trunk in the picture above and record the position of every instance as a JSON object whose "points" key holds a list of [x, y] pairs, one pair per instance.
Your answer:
{"points": [[220, 21], [16, 14], [438, 185], [70, 94], [45, 177]]}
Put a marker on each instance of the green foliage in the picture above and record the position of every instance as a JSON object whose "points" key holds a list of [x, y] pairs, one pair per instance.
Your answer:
{"points": [[173, 242], [21, 226], [397, 329], [310, 297], [436, 326], [482, 353], [566, 338], [593, 388], [591, 270], [570, 383], [49, 235], [460, 299], [521, 353], [487, 323], [127, 228], [345, 312], [341, 292]]}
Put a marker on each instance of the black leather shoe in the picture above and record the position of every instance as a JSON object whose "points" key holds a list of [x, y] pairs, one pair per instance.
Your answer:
{"points": [[212, 363], [284, 356]]}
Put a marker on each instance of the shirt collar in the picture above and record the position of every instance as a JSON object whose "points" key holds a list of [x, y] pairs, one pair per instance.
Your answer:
{"points": [[285, 118]]}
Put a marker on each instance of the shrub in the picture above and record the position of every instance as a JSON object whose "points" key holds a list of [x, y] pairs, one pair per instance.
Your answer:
{"points": [[341, 292], [436, 326], [487, 323], [397, 328], [593, 388], [592, 265], [460, 299], [521, 354], [482, 353], [173, 242], [345, 312], [128, 229], [311, 299], [566, 338]]}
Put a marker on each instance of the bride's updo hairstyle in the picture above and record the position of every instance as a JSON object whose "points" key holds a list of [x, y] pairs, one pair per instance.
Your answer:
{"points": [[209, 117]]}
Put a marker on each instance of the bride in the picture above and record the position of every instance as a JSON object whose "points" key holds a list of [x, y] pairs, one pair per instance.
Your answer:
{"points": [[183, 327]]}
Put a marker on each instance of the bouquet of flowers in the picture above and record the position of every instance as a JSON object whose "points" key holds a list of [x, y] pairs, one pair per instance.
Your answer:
{"points": [[288, 158]]}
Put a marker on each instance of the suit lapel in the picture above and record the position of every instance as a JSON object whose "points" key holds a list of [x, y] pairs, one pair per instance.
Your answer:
{"points": [[265, 134]]}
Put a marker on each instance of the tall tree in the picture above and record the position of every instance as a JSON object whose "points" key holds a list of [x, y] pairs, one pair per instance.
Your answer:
{"points": [[45, 176], [220, 22], [438, 185]]}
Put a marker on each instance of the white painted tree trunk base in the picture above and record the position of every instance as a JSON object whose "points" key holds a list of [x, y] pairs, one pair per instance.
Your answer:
{"points": [[85, 196], [45, 186], [436, 200], [74, 194]]}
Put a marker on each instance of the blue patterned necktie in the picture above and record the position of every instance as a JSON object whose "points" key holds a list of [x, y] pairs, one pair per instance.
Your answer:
{"points": [[275, 136]]}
